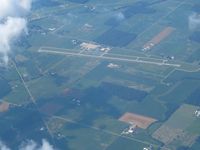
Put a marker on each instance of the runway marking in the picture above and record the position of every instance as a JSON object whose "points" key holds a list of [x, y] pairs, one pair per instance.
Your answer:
{"points": [[137, 60]]}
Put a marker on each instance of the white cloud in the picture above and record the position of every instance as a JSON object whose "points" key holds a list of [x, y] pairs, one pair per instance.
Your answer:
{"points": [[3, 146], [26, 4], [120, 16], [46, 146], [31, 145], [194, 21], [14, 8], [12, 23], [9, 31]]}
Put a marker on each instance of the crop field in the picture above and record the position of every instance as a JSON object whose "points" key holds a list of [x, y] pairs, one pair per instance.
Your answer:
{"points": [[4, 106], [138, 120], [81, 76], [175, 130], [159, 37]]}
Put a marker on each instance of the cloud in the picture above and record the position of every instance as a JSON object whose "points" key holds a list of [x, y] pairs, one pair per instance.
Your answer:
{"points": [[120, 16], [3, 146], [14, 8], [12, 23], [46, 146], [31, 145], [9, 31], [194, 21]]}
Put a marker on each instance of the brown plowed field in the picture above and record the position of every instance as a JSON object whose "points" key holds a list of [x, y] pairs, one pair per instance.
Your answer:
{"points": [[4, 107], [160, 36], [139, 120]]}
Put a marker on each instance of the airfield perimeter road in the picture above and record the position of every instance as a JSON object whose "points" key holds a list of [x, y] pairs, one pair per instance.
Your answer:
{"points": [[137, 60]]}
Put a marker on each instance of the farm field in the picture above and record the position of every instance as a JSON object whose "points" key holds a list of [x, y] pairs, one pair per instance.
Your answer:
{"points": [[89, 70], [174, 132]]}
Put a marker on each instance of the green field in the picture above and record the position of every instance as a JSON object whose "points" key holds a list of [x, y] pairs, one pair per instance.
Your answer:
{"points": [[181, 129], [79, 93]]}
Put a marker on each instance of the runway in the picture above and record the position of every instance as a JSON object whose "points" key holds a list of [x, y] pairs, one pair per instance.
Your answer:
{"points": [[137, 60]]}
